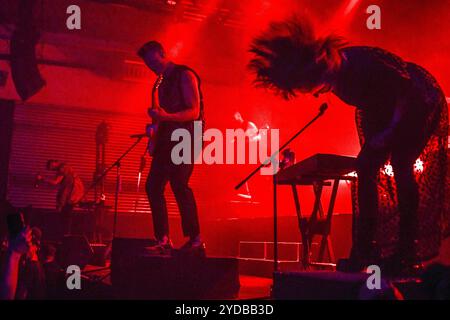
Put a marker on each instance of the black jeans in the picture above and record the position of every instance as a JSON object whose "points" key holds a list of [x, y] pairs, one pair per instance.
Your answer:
{"points": [[162, 170]]}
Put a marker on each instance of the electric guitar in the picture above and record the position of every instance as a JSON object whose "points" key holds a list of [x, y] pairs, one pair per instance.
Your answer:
{"points": [[152, 129]]}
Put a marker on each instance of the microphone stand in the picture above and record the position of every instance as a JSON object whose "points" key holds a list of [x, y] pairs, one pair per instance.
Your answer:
{"points": [[138, 187], [117, 165], [116, 198], [271, 159]]}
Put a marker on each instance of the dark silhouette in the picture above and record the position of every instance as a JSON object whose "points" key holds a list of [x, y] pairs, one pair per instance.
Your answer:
{"points": [[177, 103], [401, 113]]}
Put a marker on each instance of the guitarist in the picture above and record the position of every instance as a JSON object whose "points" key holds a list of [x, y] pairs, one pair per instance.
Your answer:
{"points": [[176, 103]]}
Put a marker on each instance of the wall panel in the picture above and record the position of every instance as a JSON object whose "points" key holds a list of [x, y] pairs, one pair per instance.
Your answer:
{"points": [[44, 132]]}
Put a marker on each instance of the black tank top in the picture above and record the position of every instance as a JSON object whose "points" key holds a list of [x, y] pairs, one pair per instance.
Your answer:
{"points": [[171, 99]]}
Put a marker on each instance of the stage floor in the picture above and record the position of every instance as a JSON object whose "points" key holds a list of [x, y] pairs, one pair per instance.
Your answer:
{"points": [[254, 287]]}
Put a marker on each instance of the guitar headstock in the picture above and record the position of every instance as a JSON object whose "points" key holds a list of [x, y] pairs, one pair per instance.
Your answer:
{"points": [[157, 83]]}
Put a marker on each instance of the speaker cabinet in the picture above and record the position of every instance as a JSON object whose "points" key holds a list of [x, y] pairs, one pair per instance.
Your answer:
{"points": [[75, 250], [24, 69]]}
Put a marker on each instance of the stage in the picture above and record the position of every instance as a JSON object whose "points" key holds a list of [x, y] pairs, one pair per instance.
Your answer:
{"points": [[224, 150], [317, 285]]}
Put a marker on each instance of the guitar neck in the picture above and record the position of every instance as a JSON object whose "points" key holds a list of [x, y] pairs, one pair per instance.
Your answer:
{"points": [[155, 98]]}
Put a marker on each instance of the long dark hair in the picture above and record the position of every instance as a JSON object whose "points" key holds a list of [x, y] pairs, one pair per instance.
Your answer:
{"points": [[288, 56]]}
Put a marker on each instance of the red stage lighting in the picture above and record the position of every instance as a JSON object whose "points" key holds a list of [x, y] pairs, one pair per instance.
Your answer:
{"points": [[350, 6]]}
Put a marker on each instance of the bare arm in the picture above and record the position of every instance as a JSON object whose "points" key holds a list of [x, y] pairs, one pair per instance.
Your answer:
{"points": [[54, 181], [49, 180]]}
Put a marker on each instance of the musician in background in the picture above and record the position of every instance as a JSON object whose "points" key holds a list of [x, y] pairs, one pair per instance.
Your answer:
{"points": [[400, 108], [70, 190], [252, 134], [178, 100], [249, 127]]}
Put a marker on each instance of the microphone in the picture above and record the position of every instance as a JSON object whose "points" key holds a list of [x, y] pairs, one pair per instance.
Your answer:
{"points": [[138, 135], [323, 108]]}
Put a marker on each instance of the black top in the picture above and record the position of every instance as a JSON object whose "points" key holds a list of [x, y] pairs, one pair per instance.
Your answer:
{"points": [[372, 79], [170, 91], [171, 99]]}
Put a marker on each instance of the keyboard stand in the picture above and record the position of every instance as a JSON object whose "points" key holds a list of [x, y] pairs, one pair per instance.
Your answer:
{"points": [[318, 223]]}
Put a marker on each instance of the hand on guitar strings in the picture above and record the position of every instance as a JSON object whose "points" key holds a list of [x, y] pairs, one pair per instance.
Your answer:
{"points": [[158, 114]]}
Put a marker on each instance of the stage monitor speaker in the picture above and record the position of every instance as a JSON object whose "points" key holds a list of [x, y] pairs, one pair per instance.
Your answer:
{"points": [[321, 285], [75, 250], [183, 276], [125, 252], [125, 249], [24, 68]]}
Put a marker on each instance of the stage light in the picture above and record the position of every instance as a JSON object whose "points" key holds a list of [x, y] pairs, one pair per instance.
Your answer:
{"points": [[388, 170], [171, 2], [418, 166], [352, 174], [175, 50], [344, 15], [351, 5]]}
